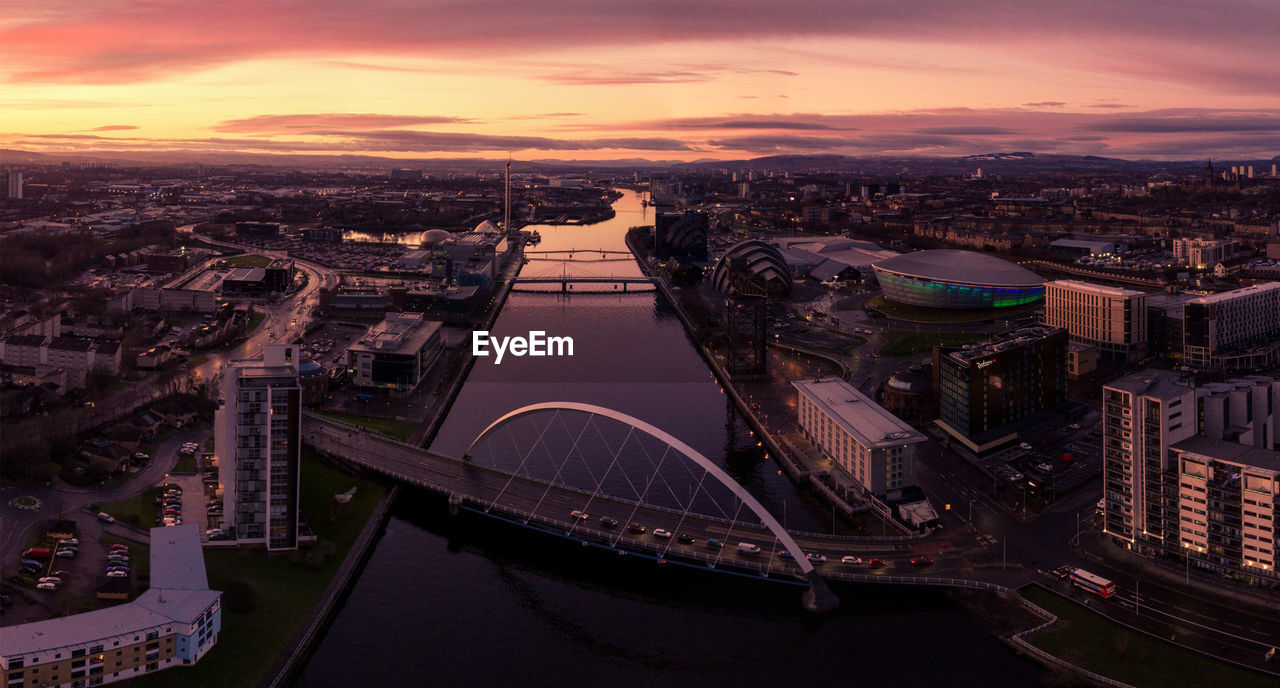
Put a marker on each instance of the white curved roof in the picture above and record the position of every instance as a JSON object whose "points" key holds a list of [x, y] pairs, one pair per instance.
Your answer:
{"points": [[963, 267]]}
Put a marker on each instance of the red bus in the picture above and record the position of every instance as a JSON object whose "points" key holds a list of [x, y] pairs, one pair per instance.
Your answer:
{"points": [[1092, 582]]}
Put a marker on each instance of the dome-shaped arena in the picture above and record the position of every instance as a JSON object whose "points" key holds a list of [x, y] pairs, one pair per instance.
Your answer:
{"points": [[958, 280], [763, 261], [431, 237]]}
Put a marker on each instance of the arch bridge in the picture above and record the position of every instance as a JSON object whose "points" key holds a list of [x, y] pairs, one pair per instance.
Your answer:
{"points": [[685, 511]]}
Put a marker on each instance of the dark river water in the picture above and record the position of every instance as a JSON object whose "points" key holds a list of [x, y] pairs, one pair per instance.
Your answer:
{"points": [[468, 601]]}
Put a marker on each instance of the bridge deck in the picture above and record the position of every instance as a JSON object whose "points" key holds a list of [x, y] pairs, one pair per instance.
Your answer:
{"points": [[547, 506]]}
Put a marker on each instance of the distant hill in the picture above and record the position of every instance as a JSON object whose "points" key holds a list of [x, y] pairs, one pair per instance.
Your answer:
{"points": [[880, 165]]}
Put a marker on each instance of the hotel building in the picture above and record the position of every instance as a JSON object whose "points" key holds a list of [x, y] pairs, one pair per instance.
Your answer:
{"points": [[1110, 318], [872, 445]]}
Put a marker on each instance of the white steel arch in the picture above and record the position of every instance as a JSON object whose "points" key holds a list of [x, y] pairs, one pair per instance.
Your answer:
{"points": [[725, 479]]}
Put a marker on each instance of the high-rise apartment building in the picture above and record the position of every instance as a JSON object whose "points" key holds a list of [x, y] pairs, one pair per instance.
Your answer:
{"points": [[1111, 318], [1228, 498], [258, 444], [15, 185], [1193, 473], [1234, 330], [985, 389], [1143, 415]]}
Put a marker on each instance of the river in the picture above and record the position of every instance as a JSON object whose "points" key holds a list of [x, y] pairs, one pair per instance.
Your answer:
{"points": [[470, 602]]}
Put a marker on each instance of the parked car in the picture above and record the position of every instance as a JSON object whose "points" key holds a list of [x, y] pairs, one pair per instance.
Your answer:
{"points": [[70, 541], [51, 579], [47, 586], [117, 574], [104, 516], [65, 554]]}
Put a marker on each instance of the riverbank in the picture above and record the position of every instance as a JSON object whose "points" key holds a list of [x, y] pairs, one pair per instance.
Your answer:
{"points": [[268, 600]]}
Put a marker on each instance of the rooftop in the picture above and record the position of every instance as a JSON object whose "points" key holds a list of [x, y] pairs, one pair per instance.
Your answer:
{"points": [[1234, 452], [962, 267], [1091, 288], [1160, 384], [1011, 340], [158, 606], [1238, 293], [857, 414], [397, 333]]}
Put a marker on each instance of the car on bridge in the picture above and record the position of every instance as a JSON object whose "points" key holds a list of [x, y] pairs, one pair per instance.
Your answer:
{"points": [[662, 533], [816, 558], [714, 543], [921, 561], [579, 515], [748, 548], [851, 560], [686, 539], [637, 528], [784, 554], [608, 522], [876, 563]]}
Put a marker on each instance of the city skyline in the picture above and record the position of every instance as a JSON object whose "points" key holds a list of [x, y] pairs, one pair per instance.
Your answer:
{"points": [[659, 81]]}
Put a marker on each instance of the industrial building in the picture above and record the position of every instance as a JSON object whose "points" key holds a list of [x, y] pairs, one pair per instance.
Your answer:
{"points": [[1111, 318], [257, 436], [174, 623], [957, 280], [395, 353], [871, 445], [989, 393]]}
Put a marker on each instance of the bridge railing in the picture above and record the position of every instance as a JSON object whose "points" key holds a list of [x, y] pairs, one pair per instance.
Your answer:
{"points": [[590, 494]]}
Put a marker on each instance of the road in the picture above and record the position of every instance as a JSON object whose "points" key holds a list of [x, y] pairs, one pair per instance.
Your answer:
{"points": [[549, 506], [1237, 628]]}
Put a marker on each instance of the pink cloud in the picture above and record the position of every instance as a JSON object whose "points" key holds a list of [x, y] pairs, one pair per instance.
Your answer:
{"points": [[137, 40]]}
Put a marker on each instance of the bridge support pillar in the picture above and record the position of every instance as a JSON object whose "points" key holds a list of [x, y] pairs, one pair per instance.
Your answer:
{"points": [[819, 598], [455, 504]]}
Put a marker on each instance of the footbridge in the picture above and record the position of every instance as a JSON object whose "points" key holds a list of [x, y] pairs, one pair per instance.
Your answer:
{"points": [[679, 508]]}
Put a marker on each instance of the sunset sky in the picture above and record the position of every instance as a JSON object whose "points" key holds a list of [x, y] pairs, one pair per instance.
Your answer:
{"points": [[660, 80]]}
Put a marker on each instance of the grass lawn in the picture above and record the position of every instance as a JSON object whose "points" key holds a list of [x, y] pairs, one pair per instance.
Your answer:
{"points": [[139, 511], [939, 315], [285, 587], [247, 261], [908, 344], [1094, 643], [398, 429], [186, 464], [255, 319]]}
